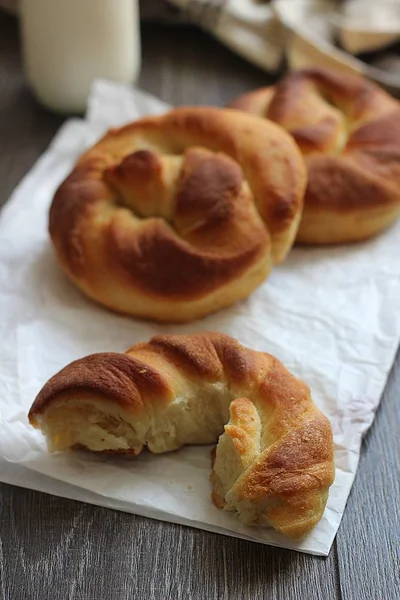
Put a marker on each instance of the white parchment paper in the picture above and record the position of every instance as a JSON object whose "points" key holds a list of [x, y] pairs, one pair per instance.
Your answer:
{"points": [[331, 315]]}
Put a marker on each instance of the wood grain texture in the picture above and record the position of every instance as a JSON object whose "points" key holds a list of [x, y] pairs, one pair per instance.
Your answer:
{"points": [[368, 542], [51, 548]]}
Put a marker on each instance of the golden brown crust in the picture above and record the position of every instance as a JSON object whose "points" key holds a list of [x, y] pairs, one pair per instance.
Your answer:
{"points": [[107, 374], [349, 132], [293, 459], [151, 261], [176, 390], [175, 216]]}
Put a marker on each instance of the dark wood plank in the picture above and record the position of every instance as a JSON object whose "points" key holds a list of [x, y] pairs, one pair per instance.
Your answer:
{"points": [[62, 549], [369, 537], [52, 548], [184, 66]]}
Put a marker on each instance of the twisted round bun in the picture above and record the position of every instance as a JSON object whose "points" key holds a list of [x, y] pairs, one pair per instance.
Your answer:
{"points": [[274, 460], [173, 217], [348, 130]]}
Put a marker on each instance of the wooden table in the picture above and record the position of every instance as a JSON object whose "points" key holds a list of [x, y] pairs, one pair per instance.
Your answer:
{"points": [[56, 549]]}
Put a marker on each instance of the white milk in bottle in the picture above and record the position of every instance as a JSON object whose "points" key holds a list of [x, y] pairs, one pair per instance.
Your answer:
{"points": [[69, 43]]}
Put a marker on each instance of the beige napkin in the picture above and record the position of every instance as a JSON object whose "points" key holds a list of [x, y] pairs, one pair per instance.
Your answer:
{"points": [[305, 32]]}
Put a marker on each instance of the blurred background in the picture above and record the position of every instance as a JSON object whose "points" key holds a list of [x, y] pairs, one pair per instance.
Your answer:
{"points": [[183, 51], [103, 37]]}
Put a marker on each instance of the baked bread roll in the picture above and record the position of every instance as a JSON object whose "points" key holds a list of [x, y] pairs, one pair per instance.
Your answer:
{"points": [[176, 216], [274, 459], [348, 130]]}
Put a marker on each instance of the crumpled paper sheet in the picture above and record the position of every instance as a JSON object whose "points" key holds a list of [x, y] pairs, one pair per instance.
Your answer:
{"points": [[331, 315]]}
